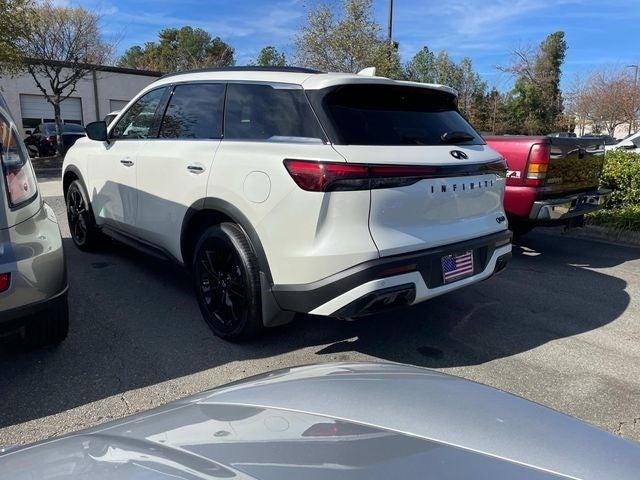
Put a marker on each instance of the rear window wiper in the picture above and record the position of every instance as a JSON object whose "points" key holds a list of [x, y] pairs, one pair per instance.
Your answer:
{"points": [[456, 136]]}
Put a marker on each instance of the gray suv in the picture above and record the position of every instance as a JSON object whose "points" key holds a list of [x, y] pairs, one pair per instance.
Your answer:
{"points": [[33, 280]]}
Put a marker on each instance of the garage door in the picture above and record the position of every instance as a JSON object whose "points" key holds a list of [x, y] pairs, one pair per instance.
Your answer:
{"points": [[117, 105], [35, 109]]}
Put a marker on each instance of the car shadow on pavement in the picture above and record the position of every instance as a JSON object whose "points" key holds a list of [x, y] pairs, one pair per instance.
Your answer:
{"points": [[135, 323], [549, 291]]}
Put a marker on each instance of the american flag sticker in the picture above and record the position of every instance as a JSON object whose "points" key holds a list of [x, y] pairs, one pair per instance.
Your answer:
{"points": [[457, 266]]}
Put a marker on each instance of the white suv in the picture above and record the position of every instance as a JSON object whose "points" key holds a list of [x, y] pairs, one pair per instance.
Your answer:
{"points": [[291, 190]]}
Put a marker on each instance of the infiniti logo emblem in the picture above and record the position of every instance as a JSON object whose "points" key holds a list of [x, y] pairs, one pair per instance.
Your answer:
{"points": [[460, 155]]}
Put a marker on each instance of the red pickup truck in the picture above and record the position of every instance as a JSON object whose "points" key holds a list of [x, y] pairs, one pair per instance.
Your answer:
{"points": [[550, 181]]}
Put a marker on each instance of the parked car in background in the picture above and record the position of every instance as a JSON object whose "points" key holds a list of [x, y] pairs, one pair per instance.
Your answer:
{"points": [[42, 141], [605, 139], [33, 281], [632, 142], [110, 116], [309, 422], [562, 135], [550, 181], [291, 190]]}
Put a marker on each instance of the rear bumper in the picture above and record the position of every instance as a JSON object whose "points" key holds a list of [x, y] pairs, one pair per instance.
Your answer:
{"points": [[378, 284], [33, 254], [563, 208]]}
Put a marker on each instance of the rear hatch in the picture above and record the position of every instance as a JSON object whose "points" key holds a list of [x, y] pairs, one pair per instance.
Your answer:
{"points": [[425, 191], [575, 164]]}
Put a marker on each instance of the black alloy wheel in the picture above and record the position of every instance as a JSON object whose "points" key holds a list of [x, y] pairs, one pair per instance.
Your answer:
{"points": [[77, 216], [84, 232], [227, 284]]}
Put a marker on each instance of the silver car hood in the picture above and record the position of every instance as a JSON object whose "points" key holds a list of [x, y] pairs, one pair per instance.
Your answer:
{"points": [[334, 421]]}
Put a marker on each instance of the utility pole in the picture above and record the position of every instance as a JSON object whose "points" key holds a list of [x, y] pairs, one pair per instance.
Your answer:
{"points": [[390, 30], [632, 120], [390, 24]]}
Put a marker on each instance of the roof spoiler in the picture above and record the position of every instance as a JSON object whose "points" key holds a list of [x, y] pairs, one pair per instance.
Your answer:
{"points": [[368, 72]]}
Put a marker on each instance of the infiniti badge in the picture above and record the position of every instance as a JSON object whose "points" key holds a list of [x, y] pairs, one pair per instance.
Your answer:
{"points": [[460, 155]]}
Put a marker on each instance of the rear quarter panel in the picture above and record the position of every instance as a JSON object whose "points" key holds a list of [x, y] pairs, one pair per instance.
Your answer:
{"points": [[306, 236]]}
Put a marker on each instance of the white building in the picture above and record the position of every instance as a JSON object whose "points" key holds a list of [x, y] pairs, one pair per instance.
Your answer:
{"points": [[103, 90]]}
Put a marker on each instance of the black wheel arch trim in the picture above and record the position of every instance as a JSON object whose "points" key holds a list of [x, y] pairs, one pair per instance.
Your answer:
{"points": [[76, 171], [234, 213]]}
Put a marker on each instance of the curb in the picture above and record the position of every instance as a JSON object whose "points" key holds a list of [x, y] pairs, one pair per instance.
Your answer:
{"points": [[599, 234]]}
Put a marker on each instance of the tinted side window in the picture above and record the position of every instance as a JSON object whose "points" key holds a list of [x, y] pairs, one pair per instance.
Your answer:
{"points": [[262, 112], [194, 111], [138, 120]]}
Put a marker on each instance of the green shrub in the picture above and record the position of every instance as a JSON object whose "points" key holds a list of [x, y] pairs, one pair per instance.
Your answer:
{"points": [[621, 218], [622, 174]]}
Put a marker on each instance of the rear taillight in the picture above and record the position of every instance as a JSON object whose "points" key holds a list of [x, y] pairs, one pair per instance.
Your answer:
{"points": [[324, 177], [538, 165], [5, 281], [51, 139], [330, 177]]}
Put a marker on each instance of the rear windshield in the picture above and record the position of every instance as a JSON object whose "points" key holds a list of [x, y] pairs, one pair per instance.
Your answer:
{"points": [[395, 115]]}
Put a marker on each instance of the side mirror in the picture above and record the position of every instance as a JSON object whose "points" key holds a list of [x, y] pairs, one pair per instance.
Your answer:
{"points": [[97, 131]]}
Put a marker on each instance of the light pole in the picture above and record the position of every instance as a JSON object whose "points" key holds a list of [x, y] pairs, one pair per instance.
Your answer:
{"points": [[632, 120]]}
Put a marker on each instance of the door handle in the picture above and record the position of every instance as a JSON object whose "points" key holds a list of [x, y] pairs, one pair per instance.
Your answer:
{"points": [[195, 168], [126, 162]]}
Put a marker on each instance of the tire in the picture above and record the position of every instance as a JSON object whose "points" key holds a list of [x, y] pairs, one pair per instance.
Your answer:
{"points": [[227, 282], [49, 327], [520, 228], [82, 225]]}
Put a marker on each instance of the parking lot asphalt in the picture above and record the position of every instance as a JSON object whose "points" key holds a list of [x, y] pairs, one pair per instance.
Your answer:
{"points": [[561, 326]]}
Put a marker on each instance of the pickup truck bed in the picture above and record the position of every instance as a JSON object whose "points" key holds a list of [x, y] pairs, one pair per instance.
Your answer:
{"points": [[550, 181]]}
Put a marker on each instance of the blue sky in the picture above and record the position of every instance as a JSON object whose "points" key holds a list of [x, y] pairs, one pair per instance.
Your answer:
{"points": [[600, 33]]}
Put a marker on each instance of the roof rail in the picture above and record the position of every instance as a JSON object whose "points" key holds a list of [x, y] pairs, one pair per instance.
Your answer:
{"points": [[246, 69]]}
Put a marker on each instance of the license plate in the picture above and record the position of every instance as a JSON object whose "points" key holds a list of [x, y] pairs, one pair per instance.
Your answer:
{"points": [[457, 266]]}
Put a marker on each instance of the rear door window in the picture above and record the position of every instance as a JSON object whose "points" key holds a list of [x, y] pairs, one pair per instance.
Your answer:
{"points": [[393, 115], [17, 172], [138, 121], [270, 113], [194, 111]]}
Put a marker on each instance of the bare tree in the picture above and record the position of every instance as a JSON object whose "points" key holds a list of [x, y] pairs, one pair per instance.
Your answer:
{"points": [[581, 102], [612, 99], [63, 45]]}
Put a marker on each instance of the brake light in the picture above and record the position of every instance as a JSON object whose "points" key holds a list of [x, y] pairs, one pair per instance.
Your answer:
{"points": [[18, 175], [323, 176], [538, 165], [5, 281], [329, 176]]}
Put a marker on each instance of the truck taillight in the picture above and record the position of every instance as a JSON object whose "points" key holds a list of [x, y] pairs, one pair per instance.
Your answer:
{"points": [[538, 165]]}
